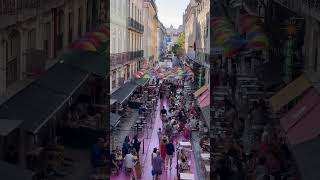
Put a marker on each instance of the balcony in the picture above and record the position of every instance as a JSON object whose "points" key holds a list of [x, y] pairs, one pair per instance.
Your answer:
{"points": [[16, 7], [135, 54], [124, 58], [135, 25]]}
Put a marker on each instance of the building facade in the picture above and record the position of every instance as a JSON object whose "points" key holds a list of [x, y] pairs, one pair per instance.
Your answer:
{"points": [[173, 35], [150, 31], [35, 33], [118, 43], [190, 20], [125, 41], [162, 43], [196, 20]]}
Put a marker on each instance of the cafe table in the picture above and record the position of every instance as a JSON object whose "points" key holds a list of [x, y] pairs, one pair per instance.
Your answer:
{"points": [[185, 144], [187, 176], [205, 156]]}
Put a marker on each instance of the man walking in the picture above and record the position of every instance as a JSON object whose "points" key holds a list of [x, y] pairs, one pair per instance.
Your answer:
{"points": [[169, 151]]}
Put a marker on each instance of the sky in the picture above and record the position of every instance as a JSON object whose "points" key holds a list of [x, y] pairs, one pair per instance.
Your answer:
{"points": [[171, 11]]}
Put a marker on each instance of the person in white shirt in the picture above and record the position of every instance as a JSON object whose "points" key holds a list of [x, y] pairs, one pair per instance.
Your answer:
{"points": [[129, 161]]}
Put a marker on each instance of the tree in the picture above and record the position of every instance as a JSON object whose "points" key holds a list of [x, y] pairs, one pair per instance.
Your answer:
{"points": [[181, 39], [175, 48]]}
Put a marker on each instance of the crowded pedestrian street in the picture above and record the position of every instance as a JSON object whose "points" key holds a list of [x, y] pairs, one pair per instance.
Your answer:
{"points": [[160, 135]]}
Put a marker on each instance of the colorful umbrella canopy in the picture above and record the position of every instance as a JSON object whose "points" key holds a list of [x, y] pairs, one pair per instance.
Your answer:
{"points": [[99, 35], [85, 45], [93, 41], [251, 27], [104, 29]]}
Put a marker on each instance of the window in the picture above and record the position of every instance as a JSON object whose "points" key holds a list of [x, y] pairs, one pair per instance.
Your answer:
{"points": [[114, 76], [60, 31], [316, 49], [132, 10], [70, 17], [31, 39], [46, 39], [80, 22], [5, 50]]}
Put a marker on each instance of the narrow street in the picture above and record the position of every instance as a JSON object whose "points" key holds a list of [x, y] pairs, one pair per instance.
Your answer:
{"points": [[152, 141]]}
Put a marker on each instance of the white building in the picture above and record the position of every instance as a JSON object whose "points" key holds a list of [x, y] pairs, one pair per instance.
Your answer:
{"points": [[118, 41], [34, 35]]}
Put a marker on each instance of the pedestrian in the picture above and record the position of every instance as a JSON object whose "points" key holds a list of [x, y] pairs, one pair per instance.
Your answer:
{"points": [[154, 154], [157, 166], [163, 144], [126, 146], [136, 144], [169, 153], [159, 135], [163, 111]]}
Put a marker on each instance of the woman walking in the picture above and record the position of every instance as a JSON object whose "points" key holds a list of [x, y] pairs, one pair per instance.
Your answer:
{"points": [[163, 147], [157, 166]]}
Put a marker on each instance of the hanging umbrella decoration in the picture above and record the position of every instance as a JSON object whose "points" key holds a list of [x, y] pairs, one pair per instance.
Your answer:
{"points": [[226, 37], [250, 26], [83, 45]]}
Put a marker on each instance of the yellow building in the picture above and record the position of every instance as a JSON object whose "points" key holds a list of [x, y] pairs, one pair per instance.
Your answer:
{"points": [[150, 31]]}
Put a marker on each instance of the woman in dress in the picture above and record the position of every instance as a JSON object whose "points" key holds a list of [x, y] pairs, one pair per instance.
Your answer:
{"points": [[163, 147]]}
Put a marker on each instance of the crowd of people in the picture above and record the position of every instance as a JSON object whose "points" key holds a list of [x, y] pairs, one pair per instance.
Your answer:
{"points": [[179, 118], [249, 145]]}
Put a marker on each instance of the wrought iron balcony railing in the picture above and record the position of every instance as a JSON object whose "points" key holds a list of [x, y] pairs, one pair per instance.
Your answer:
{"points": [[135, 25], [123, 58], [15, 7]]}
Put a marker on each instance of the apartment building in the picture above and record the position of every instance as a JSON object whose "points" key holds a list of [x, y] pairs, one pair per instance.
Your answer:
{"points": [[125, 40], [150, 31], [190, 22], [162, 44], [196, 20], [34, 33], [135, 30], [118, 43]]}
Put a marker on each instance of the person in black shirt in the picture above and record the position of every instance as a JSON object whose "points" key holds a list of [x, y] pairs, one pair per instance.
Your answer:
{"points": [[169, 151], [136, 144], [163, 111]]}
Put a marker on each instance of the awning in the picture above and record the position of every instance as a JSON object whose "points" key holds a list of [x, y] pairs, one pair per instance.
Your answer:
{"points": [[7, 126], [40, 100], [62, 78], [204, 99], [206, 114], [114, 120], [140, 81], [308, 159], [124, 92], [91, 62], [12, 172], [112, 101], [288, 93], [200, 91], [301, 123]]}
